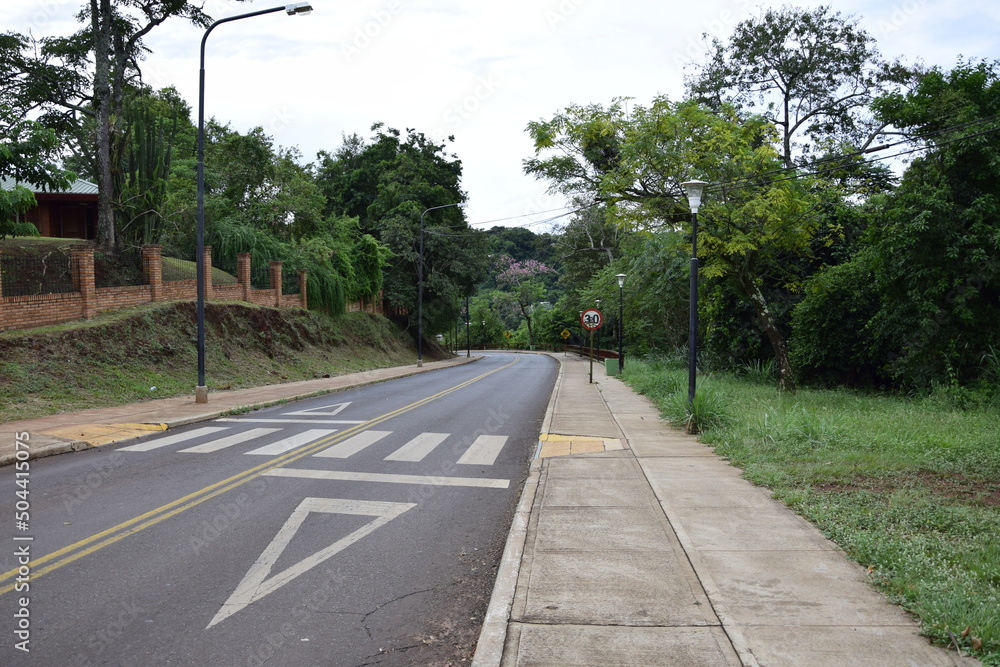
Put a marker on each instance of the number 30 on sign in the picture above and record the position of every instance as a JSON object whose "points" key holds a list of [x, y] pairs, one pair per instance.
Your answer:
{"points": [[591, 319]]}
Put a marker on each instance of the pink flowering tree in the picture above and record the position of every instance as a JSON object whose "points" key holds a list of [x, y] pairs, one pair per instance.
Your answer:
{"points": [[519, 285]]}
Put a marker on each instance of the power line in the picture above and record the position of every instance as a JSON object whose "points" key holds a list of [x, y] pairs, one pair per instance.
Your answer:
{"points": [[751, 180]]}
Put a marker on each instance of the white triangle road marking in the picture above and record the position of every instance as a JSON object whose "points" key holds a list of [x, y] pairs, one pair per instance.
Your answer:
{"points": [[323, 410], [256, 583]]}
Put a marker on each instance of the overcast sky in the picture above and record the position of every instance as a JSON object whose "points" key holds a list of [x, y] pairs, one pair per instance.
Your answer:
{"points": [[478, 70]]}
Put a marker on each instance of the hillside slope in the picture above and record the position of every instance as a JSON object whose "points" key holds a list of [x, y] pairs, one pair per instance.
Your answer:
{"points": [[150, 352]]}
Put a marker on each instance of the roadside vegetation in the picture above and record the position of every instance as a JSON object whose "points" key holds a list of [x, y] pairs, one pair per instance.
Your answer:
{"points": [[149, 352], [909, 487]]}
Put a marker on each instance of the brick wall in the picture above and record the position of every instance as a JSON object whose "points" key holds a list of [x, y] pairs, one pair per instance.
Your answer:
{"points": [[22, 312]]}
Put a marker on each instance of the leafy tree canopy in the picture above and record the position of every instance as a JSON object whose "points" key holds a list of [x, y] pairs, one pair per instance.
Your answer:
{"points": [[811, 72], [393, 184]]}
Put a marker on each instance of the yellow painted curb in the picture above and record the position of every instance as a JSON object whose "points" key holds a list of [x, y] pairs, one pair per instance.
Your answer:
{"points": [[564, 445], [96, 435]]}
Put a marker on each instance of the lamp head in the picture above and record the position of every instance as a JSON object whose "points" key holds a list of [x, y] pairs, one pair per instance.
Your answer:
{"points": [[621, 279], [298, 8], [694, 189]]}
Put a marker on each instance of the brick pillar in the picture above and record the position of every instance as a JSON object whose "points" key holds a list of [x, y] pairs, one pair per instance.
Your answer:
{"points": [[303, 279], [276, 282], [152, 269], [83, 278], [243, 274], [1, 299], [208, 273]]}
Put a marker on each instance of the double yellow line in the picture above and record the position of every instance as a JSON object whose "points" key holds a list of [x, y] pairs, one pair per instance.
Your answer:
{"points": [[53, 561]]}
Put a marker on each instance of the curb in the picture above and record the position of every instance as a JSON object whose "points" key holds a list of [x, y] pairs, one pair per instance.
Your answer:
{"points": [[493, 636]]}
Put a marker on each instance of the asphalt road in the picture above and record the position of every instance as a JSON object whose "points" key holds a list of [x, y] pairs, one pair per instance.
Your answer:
{"points": [[357, 528]]}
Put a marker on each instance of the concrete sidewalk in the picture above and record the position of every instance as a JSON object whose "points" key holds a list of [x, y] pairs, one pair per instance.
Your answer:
{"points": [[76, 431], [635, 545]]}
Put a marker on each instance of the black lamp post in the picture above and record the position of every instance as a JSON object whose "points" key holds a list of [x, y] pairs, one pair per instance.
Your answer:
{"points": [[694, 190], [201, 391], [621, 353], [420, 288]]}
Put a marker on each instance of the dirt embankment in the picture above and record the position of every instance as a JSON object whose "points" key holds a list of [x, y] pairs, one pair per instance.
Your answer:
{"points": [[150, 352]]}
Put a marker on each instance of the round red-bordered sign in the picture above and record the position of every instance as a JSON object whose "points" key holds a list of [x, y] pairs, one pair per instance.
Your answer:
{"points": [[591, 319]]}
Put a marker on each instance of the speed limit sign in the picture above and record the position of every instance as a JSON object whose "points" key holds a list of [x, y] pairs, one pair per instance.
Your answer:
{"points": [[591, 319]]}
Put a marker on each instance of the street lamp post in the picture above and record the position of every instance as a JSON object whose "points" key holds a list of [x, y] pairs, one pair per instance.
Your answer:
{"points": [[694, 189], [201, 391], [420, 283], [621, 353]]}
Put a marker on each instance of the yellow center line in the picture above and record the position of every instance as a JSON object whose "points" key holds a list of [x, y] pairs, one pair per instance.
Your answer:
{"points": [[111, 535]]}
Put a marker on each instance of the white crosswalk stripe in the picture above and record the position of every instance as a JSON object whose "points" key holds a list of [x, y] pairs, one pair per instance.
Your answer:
{"points": [[149, 445], [353, 445], [229, 441], [415, 450], [291, 442], [484, 450]]}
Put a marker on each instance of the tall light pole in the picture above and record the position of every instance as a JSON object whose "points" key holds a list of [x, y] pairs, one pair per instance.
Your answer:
{"points": [[201, 391], [693, 190], [621, 353], [420, 287]]}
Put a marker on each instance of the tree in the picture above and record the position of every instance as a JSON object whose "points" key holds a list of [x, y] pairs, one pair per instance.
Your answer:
{"points": [[586, 244], [388, 183], [750, 224], [812, 73], [90, 73], [936, 239], [520, 287], [27, 155], [157, 128]]}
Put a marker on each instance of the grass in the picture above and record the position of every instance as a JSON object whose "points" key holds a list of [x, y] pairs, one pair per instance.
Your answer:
{"points": [[183, 269], [908, 487], [149, 352]]}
